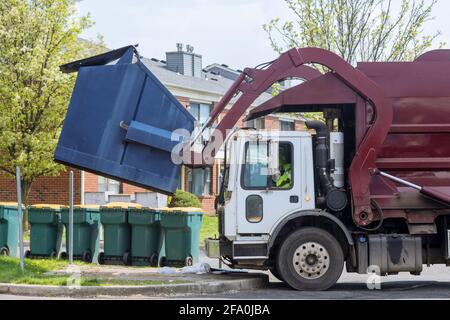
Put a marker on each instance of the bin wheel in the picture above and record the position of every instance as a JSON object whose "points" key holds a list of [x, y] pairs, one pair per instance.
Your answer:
{"points": [[87, 256], [162, 261], [28, 254], [189, 262], [127, 258], [62, 255], [53, 255], [101, 258], [154, 260], [4, 251]]}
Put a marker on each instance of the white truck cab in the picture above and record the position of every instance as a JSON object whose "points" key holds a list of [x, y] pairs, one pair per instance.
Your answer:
{"points": [[276, 184], [270, 176]]}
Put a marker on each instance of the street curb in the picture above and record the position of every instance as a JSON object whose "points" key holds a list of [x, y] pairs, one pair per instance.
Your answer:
{"points": [[247, 283]]}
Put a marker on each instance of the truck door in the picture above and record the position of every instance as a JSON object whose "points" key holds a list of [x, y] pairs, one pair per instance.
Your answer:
{"points": [[269, 183]]}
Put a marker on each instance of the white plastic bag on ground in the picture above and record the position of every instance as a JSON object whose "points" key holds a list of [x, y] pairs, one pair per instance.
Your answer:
{"points": [[199, 268], [166, 270]]}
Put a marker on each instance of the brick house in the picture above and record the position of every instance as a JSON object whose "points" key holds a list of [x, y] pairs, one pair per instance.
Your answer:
{"points": [[198, 89]]}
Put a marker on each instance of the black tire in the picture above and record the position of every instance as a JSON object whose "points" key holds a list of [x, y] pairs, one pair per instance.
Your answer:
{"points": [[154, 260], [273, 270], [101, 258], [4, 251], [162, 261], [28, 254], [331, 263], [189, 262], [54, 255], [62, 255], [127, 258], [87, 256]]}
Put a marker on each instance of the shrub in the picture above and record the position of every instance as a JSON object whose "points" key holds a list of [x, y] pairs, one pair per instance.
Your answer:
{"points": [[183, 199]]}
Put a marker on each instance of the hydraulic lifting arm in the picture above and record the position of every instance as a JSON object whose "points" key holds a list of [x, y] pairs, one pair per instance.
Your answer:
{"points": [[253, 82]]}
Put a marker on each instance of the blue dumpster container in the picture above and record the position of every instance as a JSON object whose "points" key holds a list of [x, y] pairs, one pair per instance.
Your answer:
{"points": [[120, 122], [9, 229]]}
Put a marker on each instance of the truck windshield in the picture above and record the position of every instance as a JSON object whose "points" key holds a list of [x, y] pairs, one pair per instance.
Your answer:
{"points": [[256, 174]]}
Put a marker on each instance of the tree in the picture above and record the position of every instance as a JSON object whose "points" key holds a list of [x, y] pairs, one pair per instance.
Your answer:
{"points": [[36, 37], [357, 30]]}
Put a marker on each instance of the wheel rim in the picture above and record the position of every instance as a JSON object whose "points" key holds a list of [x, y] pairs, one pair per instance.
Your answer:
{"points": [[311, 260]]}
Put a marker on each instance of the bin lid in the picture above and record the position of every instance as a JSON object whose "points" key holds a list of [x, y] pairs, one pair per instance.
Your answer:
{"points": [[182, 210], [123, 123], [87, 206], [84, 207], [48, 206], [122, 205], [9, 204]]}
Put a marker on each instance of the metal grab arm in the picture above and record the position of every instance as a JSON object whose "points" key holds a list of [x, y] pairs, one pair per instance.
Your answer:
{"points": [[288, 65]]}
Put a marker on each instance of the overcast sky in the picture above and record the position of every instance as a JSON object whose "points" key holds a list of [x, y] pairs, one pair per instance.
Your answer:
{"points": [[223, 31]]}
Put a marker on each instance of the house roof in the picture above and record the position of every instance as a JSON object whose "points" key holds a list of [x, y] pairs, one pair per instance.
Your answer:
{"points": [[208, 83]]}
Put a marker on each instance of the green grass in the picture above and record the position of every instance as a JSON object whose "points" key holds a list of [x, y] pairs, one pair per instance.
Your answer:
{"points": [[35, 273], [210, 228]]}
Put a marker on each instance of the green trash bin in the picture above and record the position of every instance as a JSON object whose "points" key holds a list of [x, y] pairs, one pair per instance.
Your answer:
{"points": [[146, 239], [181, 228], [116, 233], [9, 229], [86, 232], [46, 231]]}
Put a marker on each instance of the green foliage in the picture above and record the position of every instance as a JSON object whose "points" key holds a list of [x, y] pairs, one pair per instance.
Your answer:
{"points": [[183, 199], [357, 30], [36, 36], [209, 229]]}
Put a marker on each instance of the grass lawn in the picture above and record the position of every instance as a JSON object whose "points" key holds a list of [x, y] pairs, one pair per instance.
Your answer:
{"points": [[35, 274], [210, 228]]}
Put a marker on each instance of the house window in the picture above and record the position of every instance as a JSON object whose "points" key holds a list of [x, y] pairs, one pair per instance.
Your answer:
{"points": [[108, 185], [199, 181], [258, 124], [286, 125], [200, 112]]}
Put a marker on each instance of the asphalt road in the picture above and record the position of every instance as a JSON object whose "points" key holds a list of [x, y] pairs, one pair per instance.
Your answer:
{"points": [[434, 283]]}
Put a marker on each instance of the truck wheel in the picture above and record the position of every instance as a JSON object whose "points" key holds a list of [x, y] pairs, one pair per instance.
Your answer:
{"points": [[275, 273], [310, 259], [27, 254]]}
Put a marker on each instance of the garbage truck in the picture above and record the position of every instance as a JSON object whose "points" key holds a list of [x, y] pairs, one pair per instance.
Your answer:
{"points": [[366, 187]]}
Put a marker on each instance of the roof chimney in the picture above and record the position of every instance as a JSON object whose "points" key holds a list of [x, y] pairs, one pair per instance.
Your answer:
{"points": [[186, 62]]}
